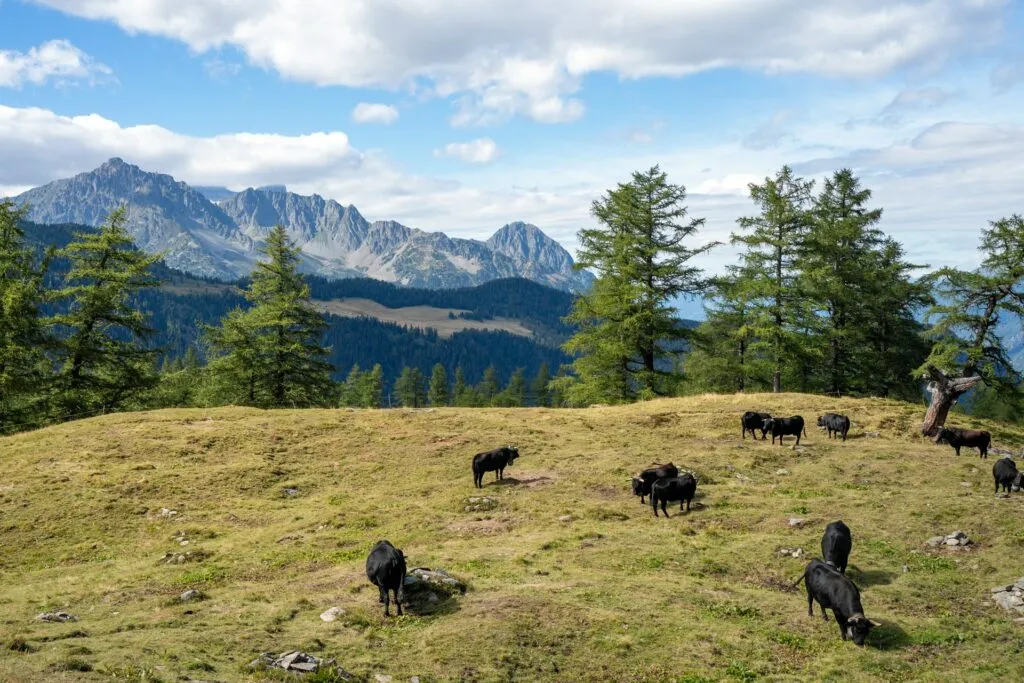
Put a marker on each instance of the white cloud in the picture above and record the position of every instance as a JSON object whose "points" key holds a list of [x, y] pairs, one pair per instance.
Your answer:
{"points": [[507, 57], [481, 151], [221, 70], [365, 112], [55, 61]]}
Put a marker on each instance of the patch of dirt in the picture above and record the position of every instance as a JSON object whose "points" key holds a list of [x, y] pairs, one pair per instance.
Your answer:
{"points": [[607, 492], [482, 527], [772, 583], [530, 480]]}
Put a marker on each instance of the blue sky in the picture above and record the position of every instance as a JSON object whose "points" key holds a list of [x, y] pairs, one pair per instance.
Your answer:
{"points": [[485, 113]]}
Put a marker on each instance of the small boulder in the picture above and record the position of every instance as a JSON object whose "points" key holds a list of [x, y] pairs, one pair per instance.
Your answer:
{"points": [[56, 617], [332, 614], [383, 678], [795, 553], [190, 595], [782, 472], [796, 522], [290, 492], [565, 518]]}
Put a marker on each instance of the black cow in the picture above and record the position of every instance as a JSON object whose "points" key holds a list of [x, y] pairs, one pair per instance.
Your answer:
{"points": [[1006, 475], [643, 480], [958, 438], [493, 461], [836, 544], [385, 567], [835, 423], [670, 490], [832, 590], [751, 421], [785, 426]]}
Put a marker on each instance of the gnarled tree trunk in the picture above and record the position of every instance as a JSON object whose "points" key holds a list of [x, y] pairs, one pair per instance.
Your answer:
{"points": [[944, 391]]}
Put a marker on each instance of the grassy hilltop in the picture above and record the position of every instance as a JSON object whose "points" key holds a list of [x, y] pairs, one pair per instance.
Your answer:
{"points": [[611, 595]]}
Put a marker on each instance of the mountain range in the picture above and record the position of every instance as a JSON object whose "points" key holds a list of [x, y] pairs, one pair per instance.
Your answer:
{"points": [[215, 233]]}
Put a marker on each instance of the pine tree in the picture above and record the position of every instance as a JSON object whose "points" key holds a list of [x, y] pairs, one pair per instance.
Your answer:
{"points": [[99, 369], [271, 353], [627, 327], [409, 387], [191, 359], [438, 394], [539, 386], [459, 392], [770, 265], [967, 350], [24, 370], [516, 389], [352, 390], [488, 387], [374, 388]]}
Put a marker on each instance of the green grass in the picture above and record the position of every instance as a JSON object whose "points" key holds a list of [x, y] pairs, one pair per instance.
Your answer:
{"points": [[612, 594]]}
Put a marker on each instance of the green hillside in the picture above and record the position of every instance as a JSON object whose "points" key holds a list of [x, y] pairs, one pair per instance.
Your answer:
{"points": [[569, 577]]}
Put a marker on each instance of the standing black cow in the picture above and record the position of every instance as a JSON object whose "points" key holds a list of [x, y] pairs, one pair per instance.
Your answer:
{"points": [[751, 421], [670, 490], [785, 426], [643, 480], [831, 590], [835, 423], [385, 567], [836, 544], [493, 461], [958, 438], [1006, 475]]}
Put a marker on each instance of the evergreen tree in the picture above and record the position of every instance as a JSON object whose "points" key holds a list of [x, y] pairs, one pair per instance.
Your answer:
{"points": [[774, 241], [23, 366], [514, 395], [489, 387], [102, 363], [967, 350], [191, 359], [352, 390], [459, 391], [409, 388], [539, 386], [627, 327], [271, 353], [373, 392], [438, 394]]}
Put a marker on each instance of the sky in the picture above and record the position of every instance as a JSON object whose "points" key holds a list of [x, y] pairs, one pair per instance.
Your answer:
{"points": [[462, 116]]}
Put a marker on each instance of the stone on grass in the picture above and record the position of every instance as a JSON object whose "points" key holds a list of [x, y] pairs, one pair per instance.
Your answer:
{"points": [[957, 539], [782, 472], [1011, 597], [332, 614], [796, 522], [190, 595], [56, 617], [480, 504], [384, 678], [790, 552], [565, 518], [294, 661]]}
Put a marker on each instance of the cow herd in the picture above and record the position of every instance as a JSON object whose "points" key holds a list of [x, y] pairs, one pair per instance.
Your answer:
{"points": [[825, 580]]}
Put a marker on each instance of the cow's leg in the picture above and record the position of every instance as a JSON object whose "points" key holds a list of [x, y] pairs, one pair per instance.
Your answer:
{"points": [[654, 505], [824, 614], [957, 448], [688, 504], [398, 601], [810, 604], [381, 594], [798, 438], [663, 510], [387, 602], [842, 625], [681, 505]]}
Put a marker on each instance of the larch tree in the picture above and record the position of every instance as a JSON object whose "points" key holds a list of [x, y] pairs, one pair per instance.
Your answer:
{"points": [[102, 360], [773, 241], [967, 350], [439, 394], [628, 332], [270, 355]]}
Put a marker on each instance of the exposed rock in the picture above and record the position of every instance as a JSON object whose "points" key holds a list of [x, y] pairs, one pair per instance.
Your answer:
{"points": [[743, 478], [294, 661], [796, 522], [565, 518], [957, 539], [782, 472], [872, 435], [383, 678], [966, 484], [332, 614], [190, 595], [425, 588], [480, 504], [1011, 597], [182, 558], [790, 552], [167, 512], [57, 617], [290, 492]]}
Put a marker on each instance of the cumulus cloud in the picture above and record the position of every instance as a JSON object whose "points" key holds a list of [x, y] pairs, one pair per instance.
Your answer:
{"points": [[365, 112], [480, 151], [56, 61], [527, 57]]}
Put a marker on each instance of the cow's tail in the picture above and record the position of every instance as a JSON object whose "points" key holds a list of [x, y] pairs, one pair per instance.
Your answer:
{"points": [[797, 582], [805, 430]]}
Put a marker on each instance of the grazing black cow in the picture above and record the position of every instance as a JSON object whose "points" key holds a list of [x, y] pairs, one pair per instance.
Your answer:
{"points": [[958, 438], [785, 426], [385, 567], [751, 421], [832, 590], [643, 480], [670, 490], [1006, 475], [835, 423], [493, 461], [836, 544]]}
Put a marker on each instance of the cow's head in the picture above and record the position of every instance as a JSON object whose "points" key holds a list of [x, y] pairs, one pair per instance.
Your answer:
{"points": [[821, 421], [513, 453], [638, 486], [943, 436], [858, 627], [768, 424], [1018, 482]]}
